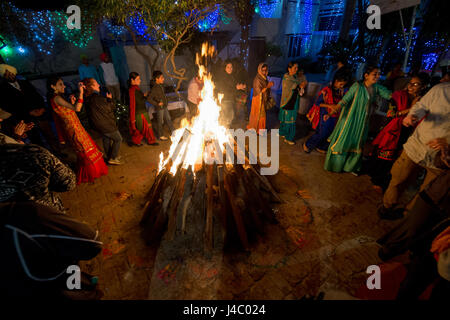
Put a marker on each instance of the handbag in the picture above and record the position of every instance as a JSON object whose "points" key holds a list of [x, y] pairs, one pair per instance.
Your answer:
{"points": [[270, 103]]}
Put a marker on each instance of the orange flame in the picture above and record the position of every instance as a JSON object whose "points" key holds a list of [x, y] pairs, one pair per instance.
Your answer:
{"points": [[203, 128]]}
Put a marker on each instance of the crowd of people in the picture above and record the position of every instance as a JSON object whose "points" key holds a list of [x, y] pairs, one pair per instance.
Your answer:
{"points": [[413, 136]]}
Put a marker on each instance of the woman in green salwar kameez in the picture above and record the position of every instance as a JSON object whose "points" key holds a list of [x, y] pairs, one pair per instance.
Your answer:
{"points": [[350, 134], [290, 97]]}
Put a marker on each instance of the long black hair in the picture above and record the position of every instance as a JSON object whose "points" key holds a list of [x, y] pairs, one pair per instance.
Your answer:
{"points": [[133, 75], [342, 74], [50, 92], [369, 68], [290, 65]]}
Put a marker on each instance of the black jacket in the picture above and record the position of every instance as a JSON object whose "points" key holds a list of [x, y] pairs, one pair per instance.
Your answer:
{"points": [[157, 95], [100, 111], [38, 244], [226, 84], [20, 102]]}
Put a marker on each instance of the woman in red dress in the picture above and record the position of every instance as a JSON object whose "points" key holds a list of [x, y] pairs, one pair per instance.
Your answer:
{"points": [[140, 125], [90, 164]]}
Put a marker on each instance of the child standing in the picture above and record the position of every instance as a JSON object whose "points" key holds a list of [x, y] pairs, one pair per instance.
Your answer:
{"points": [[158, 98]]}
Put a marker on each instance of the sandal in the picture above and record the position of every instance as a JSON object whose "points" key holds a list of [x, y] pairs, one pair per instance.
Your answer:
{"points": [[321, 151], [289, 142]]}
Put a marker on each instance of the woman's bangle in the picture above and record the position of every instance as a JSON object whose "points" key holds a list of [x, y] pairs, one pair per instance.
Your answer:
{"points": [[80, 101]]}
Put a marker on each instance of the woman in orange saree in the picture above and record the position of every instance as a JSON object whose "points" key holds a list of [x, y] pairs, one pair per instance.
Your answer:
{"points": [[261, 95], [90, 163]]}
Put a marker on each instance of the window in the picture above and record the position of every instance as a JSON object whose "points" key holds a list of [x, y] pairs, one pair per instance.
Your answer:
{"points": [[294, 45]]}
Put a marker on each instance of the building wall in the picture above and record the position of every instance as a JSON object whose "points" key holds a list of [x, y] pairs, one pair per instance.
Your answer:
{"points": [[137, 63]]}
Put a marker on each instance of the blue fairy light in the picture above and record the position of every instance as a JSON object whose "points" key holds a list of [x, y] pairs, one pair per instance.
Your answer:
{"points": [[210, 21], [266, 8]]}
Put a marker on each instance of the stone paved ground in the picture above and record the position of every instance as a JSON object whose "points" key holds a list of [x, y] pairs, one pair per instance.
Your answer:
{"points": [[324, 239]]}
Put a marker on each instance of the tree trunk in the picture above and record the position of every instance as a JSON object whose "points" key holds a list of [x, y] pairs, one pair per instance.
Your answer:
{"points": [[347, 19], [151, 62]]}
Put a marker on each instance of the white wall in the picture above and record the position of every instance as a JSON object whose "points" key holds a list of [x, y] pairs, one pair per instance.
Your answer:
{"points": [[137, 63]]}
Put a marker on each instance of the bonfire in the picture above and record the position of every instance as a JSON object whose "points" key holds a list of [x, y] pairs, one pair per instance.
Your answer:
{"points": [[198, 178]]}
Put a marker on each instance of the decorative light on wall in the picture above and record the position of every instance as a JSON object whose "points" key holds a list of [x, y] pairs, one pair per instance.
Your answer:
{"points": [[114, 29], [266, 8], [429, 60], [210, 21], [78, 37], [40, 25], [308, 25], [336, 10], [223, 16], [138, 25]]}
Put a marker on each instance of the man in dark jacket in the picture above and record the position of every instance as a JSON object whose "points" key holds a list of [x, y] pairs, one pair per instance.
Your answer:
{"points": [[41, 249], [158, 98], [20, 98], [100, 111]]}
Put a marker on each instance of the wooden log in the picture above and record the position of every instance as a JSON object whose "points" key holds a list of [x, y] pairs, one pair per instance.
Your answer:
{"points": [[235, 209], [185, 202], [154, 196], [156, 230], [252, 198], [222, 197], [267, 184], [261, 177], [259, 200], [174, 201], [208, 235]]}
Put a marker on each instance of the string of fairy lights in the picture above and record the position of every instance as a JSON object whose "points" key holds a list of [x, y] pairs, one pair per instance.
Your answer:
{"points": [[267, 8], [78, 37], [43, 27]]}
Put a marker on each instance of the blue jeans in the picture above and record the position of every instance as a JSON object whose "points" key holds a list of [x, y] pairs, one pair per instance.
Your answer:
{"points": [[162, 115], [111, 144], [323, 131]]}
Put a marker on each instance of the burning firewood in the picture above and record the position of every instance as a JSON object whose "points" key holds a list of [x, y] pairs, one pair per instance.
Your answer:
{"points": [[195, 182]]}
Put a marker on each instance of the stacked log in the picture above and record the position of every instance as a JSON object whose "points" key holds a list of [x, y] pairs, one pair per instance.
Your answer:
{"points": [[236, 196]]}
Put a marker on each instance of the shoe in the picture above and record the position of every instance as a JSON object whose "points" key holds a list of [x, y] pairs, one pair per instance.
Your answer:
{"points": [[163, 138], [153, 144], [306, 149], [321, 151], [289, 142], [114, 161], [390, 214]]}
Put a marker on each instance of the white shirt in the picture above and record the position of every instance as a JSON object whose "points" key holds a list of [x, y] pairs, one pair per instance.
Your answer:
{"points": [[109, 74], [436, 106]]}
